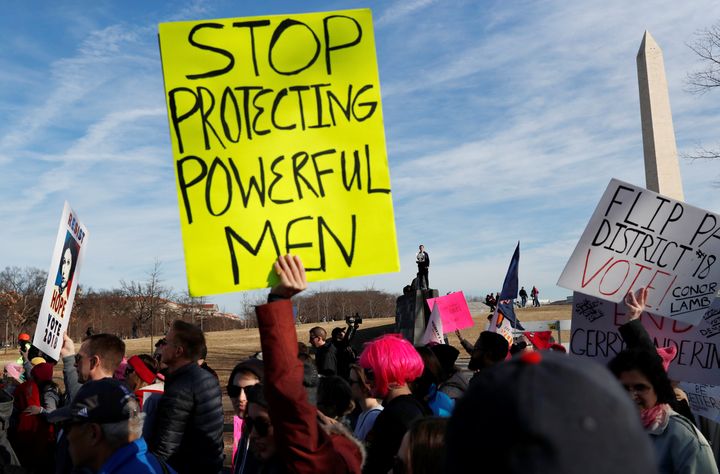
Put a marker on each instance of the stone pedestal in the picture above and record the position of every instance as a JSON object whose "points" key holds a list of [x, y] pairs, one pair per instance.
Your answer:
{"points": [[412, 313]]}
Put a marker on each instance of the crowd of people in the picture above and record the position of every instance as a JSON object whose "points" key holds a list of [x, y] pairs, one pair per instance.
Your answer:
{"points": [[391, 408]]}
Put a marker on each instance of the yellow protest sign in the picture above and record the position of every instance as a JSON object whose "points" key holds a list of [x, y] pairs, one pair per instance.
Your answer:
{"points": [[277, 134]]}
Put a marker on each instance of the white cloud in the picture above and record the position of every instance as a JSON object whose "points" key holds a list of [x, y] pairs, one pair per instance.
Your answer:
{"points": [[401, 9]]}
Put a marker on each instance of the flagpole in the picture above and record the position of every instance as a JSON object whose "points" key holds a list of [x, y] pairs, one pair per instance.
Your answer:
{"points": [[512, 303], [509, 292]]}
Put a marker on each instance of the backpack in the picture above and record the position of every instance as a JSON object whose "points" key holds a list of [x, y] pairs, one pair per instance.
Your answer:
{"points": [[440, 403]]}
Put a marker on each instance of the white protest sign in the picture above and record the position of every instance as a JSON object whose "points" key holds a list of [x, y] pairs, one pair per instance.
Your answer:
{"points": [[434, 329], [637, 238], [61, 284], [595, 335], [704, 399]]}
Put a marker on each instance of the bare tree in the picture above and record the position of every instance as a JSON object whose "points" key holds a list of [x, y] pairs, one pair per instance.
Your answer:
{"points": [[342, 303], [148, 299], [103, 311], [707, 77], [707, 48], [370, 301], [193, 308], [21, 293], [248, 301]]}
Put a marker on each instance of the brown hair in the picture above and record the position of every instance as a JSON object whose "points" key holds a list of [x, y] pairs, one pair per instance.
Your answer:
{"points": [[426, 447], [318, 331], [362, 379], [190, 338], [109, 348]]}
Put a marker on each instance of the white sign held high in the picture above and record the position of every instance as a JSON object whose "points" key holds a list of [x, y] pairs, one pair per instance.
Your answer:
{"points": [[637, 238], [434, 329], [61, 284]]}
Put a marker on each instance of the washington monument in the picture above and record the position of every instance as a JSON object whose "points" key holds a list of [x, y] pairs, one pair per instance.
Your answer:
{"points": [[662, 171]]}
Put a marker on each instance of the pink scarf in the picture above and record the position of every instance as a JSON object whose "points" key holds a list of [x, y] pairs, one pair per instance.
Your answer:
{"points": [[655, 419]]}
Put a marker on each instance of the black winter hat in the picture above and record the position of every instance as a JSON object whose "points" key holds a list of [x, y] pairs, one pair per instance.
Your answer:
{"points": [[97, 401], [545, 412]]}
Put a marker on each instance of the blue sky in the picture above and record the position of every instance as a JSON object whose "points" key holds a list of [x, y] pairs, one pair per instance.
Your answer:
{"points": [[505, 121]]}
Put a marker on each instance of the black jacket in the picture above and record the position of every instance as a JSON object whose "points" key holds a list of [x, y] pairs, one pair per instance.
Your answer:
{"points": [[326, 359], [189, 422], [387, 433]]}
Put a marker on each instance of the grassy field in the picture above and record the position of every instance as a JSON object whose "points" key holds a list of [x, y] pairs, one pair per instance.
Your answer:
{"points": [[227, 348]]}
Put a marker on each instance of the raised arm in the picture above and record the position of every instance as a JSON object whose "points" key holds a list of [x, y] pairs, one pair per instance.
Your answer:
{"points": [[70, 376], [303, 444], [633, 332], [464, 342]]}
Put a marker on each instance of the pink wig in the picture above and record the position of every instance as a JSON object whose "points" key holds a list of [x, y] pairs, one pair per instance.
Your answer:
{"points": [[393, 361]]}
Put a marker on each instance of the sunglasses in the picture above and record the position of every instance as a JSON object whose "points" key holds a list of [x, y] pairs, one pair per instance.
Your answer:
{"points": [[234, 391], [261, 426]]}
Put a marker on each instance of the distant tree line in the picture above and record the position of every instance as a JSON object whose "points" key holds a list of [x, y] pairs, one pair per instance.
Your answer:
{"points": [[136, 309], [141, 308], [336, 305]]}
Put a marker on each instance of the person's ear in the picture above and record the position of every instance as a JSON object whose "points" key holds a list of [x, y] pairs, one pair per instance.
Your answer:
{"points": [[95, 433]]}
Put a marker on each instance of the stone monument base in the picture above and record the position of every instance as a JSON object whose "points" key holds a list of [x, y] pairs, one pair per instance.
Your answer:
{"points": [[412, 313]]}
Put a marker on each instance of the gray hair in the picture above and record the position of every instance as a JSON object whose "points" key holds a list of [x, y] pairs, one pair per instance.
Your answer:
{"points": [[120, 433]]}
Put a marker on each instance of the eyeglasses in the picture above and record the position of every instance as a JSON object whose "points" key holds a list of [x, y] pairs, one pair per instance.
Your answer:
{"points": [[261, 426], [233, 391], [640, 388]]}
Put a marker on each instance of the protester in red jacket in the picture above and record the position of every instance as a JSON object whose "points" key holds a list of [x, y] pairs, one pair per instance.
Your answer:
{"points": [[295, 439], [32, 436]]}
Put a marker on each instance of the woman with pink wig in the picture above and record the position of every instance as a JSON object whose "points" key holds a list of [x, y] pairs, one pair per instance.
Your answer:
{"points": [[391, 363]]}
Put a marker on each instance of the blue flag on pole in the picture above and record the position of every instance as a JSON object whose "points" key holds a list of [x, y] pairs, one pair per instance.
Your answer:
{"points": [[505, 305]]}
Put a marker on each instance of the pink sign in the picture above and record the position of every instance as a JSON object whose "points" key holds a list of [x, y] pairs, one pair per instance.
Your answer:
{"points": [[454, 311]]}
